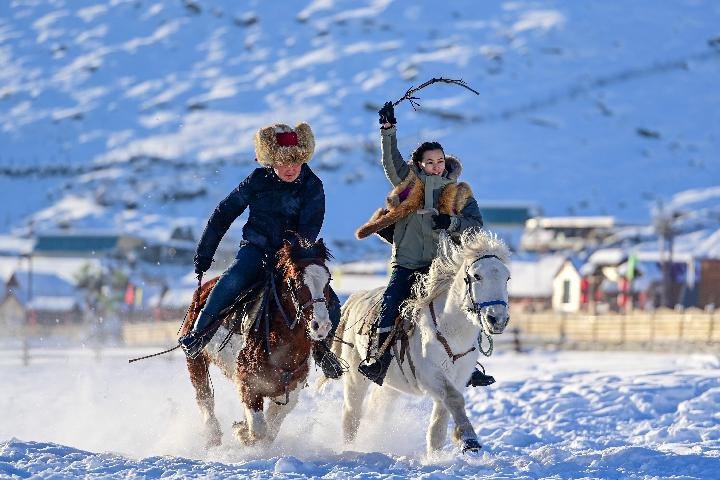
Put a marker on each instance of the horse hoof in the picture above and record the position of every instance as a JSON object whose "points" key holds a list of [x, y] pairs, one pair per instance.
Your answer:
{"points": [[242, 433], [471, 446], [213, 441]]}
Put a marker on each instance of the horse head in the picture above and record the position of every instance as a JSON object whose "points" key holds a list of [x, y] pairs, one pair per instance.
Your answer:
{"points": [[486, 276], [306, 281]]}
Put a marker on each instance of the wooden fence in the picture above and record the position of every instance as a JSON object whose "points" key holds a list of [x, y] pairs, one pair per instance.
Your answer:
{"points": [[152, 333], [660, 330], [663, 329]]}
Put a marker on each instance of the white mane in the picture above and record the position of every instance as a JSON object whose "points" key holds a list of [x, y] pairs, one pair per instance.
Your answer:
{"points": [[474, 243]]}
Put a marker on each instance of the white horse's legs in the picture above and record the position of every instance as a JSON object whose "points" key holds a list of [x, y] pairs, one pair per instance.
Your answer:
{"points": [[452, 400], [355, 389], [437, 430], [455, 403], [276, 413], [381, 404]]}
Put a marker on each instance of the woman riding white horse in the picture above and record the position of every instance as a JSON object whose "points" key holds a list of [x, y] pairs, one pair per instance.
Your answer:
{"points": [[464, 291], [426, 200]]}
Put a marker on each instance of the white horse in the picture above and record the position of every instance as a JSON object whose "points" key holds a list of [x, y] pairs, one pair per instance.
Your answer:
{"points": [[464, 291]]}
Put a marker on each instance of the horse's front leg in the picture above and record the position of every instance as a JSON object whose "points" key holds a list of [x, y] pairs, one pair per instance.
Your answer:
{"points": [[355, 387], [437, 431], [200, 379], [454, 402], [276, 413], [254, 428]]}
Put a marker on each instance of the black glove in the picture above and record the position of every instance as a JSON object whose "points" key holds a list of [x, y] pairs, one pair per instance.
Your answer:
{"points": [[441, 221], [387, 114], [202, 264]]}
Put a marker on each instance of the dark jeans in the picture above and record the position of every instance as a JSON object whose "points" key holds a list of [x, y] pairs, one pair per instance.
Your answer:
{"points": [[397, 291], [242, 273]]}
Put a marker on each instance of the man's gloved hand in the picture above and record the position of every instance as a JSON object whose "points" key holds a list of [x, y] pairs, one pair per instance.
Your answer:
{"points": [[387, 114], [202, 264], [441, 221]]}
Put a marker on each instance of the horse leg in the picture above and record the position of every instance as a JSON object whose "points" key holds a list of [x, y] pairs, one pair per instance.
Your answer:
{"points": [[382, 403], [253, 428], [454, 402], [200, 379], [355, 388], [437, 431], [277, 413]]}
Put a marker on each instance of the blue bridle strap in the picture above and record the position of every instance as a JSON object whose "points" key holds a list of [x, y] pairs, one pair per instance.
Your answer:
{"points": [[492, 302], [468, 281]]}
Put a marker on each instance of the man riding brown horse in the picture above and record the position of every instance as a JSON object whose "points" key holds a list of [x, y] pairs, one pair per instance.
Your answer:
{"points": [[284, 196]]}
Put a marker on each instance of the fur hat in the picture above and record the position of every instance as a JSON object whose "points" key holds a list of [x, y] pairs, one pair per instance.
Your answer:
{"points": [[281, 144]]}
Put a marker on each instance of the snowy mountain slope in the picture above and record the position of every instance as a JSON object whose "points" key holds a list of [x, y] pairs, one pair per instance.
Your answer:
{"points": [[135, 114], [551, 415]]}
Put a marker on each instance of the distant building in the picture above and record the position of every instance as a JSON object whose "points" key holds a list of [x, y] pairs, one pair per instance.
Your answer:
{"points": [[568, 287], [508, 220], [86, 244], [554, 234], [531, 283], [44, 298]]}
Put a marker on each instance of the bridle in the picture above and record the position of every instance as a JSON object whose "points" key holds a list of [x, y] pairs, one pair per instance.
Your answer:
{"points": [[476, 307], [300, 309]]}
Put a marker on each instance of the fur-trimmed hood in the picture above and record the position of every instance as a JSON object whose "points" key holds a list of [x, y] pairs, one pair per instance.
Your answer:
{"points": [[280, 144], [453, 167], [409, 196]]}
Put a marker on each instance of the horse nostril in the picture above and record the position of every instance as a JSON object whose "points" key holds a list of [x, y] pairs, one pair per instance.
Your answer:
{"points": [[315, 325], [492, 318]]}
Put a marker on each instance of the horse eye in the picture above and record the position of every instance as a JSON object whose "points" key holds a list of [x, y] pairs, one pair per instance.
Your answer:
{"points": [[477, 277]]}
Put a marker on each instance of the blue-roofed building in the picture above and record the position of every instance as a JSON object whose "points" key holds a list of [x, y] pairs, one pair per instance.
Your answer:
{"points": [[51, 299], [85, 244], [508, 220]]}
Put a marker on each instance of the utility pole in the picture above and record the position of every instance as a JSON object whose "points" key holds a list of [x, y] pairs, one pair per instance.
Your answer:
{"points": [[29, 314], [663, 221]]}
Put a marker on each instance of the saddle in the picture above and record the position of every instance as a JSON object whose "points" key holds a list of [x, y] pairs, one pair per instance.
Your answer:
{"points": [[240, 317], [404, 328]]}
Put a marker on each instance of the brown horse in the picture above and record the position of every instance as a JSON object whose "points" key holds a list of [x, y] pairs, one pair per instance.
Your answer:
{"points": [[270, 361]]}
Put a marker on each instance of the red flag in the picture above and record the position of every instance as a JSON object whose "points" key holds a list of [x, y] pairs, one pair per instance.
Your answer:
{"points": [[130, 294]]}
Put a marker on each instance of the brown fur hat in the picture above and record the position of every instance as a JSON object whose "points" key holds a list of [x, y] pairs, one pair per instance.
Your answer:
{"points": [[281, 144]]}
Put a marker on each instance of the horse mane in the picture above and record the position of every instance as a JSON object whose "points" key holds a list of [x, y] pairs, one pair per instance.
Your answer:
{"points": [[451, 257], [298, 249]]}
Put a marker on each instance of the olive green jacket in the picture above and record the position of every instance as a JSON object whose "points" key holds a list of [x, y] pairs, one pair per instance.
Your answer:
{"points": [[414, 240]]}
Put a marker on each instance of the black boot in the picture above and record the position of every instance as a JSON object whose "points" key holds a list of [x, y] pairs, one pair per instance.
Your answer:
{"points": [[375, 371], [326, 359], [192, 343], [480, 379]]}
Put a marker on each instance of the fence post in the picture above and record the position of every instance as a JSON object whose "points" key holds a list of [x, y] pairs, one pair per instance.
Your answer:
{"points": [[516, 340], [25, 350]]}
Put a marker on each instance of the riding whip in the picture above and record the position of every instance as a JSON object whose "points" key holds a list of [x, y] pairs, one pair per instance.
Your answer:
{"points": [[409, 95]]}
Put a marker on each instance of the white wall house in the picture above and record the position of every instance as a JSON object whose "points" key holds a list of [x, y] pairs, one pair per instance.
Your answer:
{"points": [[567, 288]]}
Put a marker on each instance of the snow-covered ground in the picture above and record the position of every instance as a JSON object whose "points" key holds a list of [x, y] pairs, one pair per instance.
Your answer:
{"points": [[551, 415]]}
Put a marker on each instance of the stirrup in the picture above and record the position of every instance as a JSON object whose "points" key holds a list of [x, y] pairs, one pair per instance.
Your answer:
{"points": [[192, 344], [480, 379], [327, 360], [376, 371]]}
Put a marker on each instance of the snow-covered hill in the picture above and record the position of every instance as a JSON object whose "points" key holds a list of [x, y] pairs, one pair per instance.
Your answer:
{"points": [[136, 114], [551, 415]]}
